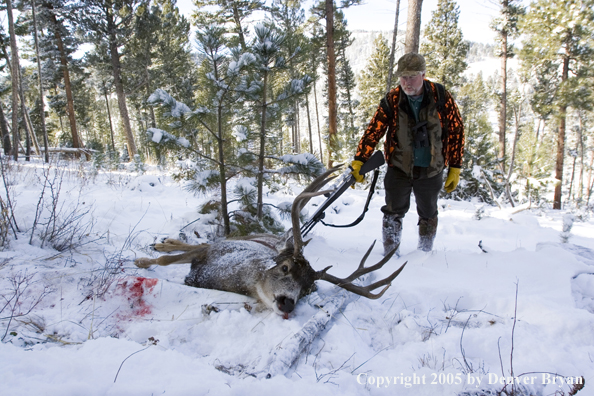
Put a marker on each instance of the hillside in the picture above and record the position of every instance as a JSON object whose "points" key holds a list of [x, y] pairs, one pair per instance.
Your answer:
{"points": [[87, 321]]}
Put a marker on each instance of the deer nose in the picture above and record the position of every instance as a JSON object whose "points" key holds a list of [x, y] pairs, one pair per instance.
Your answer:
{"points": [[285, 304]]}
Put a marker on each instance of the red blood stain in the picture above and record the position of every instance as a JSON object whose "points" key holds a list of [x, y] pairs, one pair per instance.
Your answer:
{"points": [[135, 289]]}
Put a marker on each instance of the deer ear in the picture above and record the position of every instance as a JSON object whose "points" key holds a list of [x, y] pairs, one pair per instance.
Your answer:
{"points": [[289, 244]]}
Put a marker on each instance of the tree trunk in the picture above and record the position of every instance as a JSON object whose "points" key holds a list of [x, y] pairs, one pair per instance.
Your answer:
{"points": [[590, 185], [561, 141], [393, 51], [109, 118], [503, 101], [222, 173], [318, 120], [27, 132], [15, 82], [572, 174], [76, 143], [332, 110], [297, 127], [222, 167], [309, 124], [5, 132], [41, 94], [517, 114], [119, 86], [581, 153], [260, 204], [238, 26], [147, 77], [413, 26], [27, 121]]}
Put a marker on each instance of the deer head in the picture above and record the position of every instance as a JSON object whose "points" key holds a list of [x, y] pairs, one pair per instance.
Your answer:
{"points": [[294, 271]]}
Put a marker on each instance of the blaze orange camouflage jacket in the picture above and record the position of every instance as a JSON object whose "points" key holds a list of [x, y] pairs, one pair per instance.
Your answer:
{"points": [[451, 123]]}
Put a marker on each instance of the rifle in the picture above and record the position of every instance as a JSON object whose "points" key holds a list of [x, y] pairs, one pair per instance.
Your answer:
{"points": [[373, 163]]}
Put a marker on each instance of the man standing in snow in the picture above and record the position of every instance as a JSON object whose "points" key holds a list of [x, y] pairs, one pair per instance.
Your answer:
{"points": [[425, 135]]}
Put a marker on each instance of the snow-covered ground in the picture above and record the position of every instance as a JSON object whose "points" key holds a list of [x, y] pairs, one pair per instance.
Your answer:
{"points": [[456, 320]]}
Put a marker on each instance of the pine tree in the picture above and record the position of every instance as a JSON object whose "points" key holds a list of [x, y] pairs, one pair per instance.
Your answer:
{"points": [[15, 80], [480, 163], [52, 14], [101, 80], [268, 62], [158, 53], [108, 21], [212, 115], [239, 98], [444, 48], [40, 80], [345, 82], [506, 26], [372, 82], [229, 13], [287, 18], [557, 37], [315, 51], [325, 9]]}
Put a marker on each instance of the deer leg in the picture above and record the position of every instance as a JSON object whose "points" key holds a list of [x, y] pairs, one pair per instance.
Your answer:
{"points": [[184, 258], [173, 245]]}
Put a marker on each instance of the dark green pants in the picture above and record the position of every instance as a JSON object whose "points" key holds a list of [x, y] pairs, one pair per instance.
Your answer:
{"points": [[399, 186]]}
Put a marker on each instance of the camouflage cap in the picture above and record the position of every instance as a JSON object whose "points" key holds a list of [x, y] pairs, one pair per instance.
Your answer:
{"points": [[410, 64]]}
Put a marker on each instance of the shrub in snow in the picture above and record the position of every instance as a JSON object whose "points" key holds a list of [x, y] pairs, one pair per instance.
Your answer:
{"points": [[139, 164]]}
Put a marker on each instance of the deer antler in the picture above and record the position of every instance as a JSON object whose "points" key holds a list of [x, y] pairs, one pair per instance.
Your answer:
{"points": [[302, 199], [365, 291]]}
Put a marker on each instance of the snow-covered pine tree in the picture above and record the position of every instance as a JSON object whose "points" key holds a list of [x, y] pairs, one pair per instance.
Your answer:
{"points": [[266, 90], [210, 121], [444, 47], [158, 51], [231, 15], [223, 133]]}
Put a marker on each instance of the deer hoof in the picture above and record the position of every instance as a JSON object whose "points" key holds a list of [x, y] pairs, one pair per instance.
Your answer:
{"points": [[143, 262]]}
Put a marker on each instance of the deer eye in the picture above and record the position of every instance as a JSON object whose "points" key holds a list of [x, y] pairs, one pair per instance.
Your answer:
{"points": [[285, 269]]}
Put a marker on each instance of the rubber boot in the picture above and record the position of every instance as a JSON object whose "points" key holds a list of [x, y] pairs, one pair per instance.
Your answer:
{"points": [[427, 231], [391, 233]]}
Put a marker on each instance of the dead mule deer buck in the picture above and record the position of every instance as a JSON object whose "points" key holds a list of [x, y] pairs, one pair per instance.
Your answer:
{"points": [[268, 268]]}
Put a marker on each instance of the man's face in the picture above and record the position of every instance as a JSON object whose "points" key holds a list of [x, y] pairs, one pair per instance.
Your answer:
{"points": [[412, 85]]}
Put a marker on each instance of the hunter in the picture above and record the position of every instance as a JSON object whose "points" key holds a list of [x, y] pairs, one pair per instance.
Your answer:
{"points": [[425, 135]]}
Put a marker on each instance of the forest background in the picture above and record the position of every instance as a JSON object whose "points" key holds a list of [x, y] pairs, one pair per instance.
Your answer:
{"points": [[243, 89]]}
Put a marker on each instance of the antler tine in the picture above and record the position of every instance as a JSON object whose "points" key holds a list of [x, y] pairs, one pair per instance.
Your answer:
{"points": [[365, 291], [316, 185], [302, 199]]}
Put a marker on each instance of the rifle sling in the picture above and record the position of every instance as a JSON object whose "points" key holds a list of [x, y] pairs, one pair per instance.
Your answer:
{"points": [[371, 191]]}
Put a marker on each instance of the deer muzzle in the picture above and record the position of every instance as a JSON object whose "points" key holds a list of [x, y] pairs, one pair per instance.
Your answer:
{"points": [[285, 304]]}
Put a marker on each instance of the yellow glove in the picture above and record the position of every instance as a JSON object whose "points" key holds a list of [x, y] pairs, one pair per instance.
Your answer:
{"points": [[356, 167], [452, 180]]}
